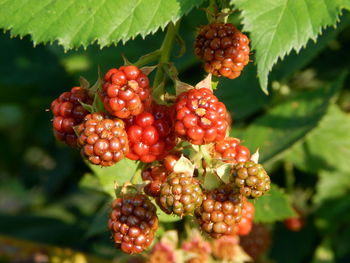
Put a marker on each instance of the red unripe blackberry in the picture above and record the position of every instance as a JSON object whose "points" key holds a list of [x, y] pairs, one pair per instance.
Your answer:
{"points": [[68, 112], [133, 222], [246, 224], [200, 117], [103, 141], [230, 151], [180, 194], [295, 223], [126, 92], [220, 212], [223, 48], [170, 160], [151, 134], [157, 175], [251, 179], [257, 241]]}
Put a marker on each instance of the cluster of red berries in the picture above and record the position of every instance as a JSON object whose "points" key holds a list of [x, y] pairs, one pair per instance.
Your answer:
{"points": [[133, 126], [224, 49], [68, 112]]}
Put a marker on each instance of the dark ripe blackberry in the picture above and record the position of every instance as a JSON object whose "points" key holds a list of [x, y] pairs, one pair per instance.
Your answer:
{"points": [[200, 117], [103, 141], [126, 92], [68, 112], [223, 48], [181, 194], [251, 179], [133, 222], [230, 151], [220, 212], [257, 241]]}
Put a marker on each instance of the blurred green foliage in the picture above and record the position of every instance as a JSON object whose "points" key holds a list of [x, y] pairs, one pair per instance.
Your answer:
{"points": [[46, 191]]}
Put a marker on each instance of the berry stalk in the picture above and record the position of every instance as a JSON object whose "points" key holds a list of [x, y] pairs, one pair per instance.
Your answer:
{"points": [[165, 51]]}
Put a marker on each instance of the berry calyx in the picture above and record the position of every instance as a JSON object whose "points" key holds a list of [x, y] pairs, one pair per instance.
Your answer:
{"points": [[126, 92], [200, 117], [223, 48], [229, 150], [180, 194], [220, 212], [68, 112], [151, 134], [103, 141], [251, 179], [133, 222]]}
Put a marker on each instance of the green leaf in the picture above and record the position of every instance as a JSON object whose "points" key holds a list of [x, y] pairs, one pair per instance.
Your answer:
{"points": [[80, 23], [242, 96], [118, 173], [296, 61], [163, 217], [331, 184], [327, 147], [288, 122], [278, 26], [274, 206], [100, 222]]}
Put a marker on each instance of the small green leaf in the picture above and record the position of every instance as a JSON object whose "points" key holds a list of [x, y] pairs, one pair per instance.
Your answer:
{"points": [[278, 26], [274, 206], [118, 173]]}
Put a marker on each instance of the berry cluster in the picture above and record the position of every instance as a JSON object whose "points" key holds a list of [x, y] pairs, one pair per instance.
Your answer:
{"points": [[230, 151], [224, 49], [182, 144], [126, 92], [103, 141], [220, 212], [180, 194], [151, 134], [251, 179], [200, 117], [133, 222], [68, 112]]}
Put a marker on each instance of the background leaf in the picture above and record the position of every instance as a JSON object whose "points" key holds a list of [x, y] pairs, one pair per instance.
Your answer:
{"points": [[274, 206], [80, 23], [278, 26], [325, 148], [288, 122], [119, 173]]}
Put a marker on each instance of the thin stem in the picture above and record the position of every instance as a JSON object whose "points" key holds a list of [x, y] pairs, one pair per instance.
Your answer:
{"points": [[144, 60], [289, 176], [165, 52]]}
